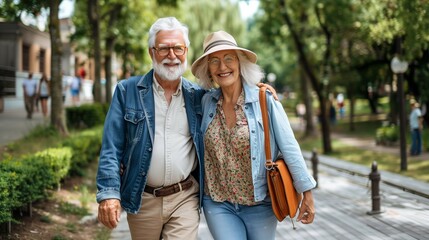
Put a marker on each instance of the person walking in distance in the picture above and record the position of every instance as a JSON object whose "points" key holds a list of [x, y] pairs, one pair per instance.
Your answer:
{"points": [[75, 87], [416, 127], [43, 94], [29, 86], [152, 131]]}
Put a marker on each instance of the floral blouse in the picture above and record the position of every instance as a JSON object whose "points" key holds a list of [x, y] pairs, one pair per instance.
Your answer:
{"points": [[228, 173]]}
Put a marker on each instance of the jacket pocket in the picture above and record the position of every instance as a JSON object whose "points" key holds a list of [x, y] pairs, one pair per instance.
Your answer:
{"points": [[133, 116], [134, 125]]}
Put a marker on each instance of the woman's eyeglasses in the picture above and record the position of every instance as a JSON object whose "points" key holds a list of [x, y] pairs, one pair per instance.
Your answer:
{"points": [[163, 51], [228, 59]]}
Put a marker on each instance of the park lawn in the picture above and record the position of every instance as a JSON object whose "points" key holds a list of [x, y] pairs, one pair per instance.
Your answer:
{"points": [[418, 169]]}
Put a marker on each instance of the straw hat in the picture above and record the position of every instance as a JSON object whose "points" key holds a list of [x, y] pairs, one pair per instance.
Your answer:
{"points": [[218, 41]]}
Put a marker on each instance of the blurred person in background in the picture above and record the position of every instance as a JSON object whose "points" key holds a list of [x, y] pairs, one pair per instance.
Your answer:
{"points": [[29, 86], [416, 127], [43, 93], [75, 87]]}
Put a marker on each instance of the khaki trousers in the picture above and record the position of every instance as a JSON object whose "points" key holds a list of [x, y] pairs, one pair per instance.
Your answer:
{"points": [[171, 217]]}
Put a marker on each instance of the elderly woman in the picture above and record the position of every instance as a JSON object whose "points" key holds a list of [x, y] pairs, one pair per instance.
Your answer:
{"points": [[236, 201]]}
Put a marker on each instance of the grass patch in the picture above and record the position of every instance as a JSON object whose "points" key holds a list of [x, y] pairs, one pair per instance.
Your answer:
{"points": [[59, 237], [45, 219], [71, 227], [418, 169], [69, 208], [103, 234], [38, 139]]}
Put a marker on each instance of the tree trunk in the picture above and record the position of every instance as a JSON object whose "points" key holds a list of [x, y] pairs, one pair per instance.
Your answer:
{"points": [[310, 129], [351, 109], [57, 108], [108, 68], [327, 147], [94, 20], [110, 43]]}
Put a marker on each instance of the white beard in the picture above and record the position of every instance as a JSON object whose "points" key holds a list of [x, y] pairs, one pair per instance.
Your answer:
{"points": [[170, 73]]}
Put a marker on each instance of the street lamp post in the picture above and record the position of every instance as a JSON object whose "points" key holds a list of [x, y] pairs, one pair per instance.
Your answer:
{"points": [[399, 67], [271, 77]]}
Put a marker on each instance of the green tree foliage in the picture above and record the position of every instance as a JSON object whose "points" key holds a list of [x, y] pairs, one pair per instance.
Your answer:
{"points": [[209, 16]]}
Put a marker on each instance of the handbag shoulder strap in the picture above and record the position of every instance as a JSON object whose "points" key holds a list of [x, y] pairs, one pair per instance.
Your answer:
{"points": [[264, 111]]}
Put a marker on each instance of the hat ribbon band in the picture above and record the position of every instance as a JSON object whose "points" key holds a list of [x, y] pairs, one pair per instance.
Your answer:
{"points": [[217, 43]]}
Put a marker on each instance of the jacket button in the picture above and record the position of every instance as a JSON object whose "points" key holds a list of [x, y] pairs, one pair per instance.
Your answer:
{"points": [[253, 131], [253, 158], [150, 149], [211, 115]]}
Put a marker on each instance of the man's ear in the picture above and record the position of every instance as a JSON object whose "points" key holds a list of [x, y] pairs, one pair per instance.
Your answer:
{"points": [[150, 51]]}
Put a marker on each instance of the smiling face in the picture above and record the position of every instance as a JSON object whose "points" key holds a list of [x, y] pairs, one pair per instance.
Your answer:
{"points": [[171, 66], [224, 68]]}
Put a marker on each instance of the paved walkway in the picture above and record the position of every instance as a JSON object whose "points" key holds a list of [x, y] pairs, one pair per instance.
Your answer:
{"points": [[14, 123], [342, 199]]}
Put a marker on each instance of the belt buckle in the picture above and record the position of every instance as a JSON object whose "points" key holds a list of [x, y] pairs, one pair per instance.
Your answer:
{"points": [[155, 190]]}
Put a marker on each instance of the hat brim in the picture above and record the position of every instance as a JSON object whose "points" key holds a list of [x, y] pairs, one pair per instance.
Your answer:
{"points": [[250, 55]]}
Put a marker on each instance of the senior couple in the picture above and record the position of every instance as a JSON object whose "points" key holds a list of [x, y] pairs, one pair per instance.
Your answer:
{"points": [[171, 147]]}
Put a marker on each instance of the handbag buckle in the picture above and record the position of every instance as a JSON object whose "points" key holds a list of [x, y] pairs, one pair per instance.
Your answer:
{"points": [[270, 165]]}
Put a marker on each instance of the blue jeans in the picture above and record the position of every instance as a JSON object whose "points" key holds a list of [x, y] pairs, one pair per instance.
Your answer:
{"points": [[416, 142], [229, 221]]}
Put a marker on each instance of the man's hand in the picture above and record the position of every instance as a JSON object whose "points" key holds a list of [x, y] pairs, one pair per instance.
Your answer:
{"points": [[269, 87], [306, 211], [109, 212]]}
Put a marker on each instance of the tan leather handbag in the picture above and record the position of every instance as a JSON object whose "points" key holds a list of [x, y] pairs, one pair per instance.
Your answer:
{"points": [[285, 199]]}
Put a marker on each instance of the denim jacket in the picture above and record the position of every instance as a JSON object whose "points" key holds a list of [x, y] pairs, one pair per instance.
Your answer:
{"points": [[282, 139], [128, 137]]}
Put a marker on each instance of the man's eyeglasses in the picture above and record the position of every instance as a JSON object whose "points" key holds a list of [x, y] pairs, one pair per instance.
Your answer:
{"points": [[163, 51], [227, 59]]}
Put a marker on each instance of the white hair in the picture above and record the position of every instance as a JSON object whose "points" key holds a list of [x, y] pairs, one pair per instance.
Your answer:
{"points": [[167, 24], [250, 73]]}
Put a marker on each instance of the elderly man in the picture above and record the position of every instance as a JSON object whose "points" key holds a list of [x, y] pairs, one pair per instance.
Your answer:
{"points": [[152, 129]]}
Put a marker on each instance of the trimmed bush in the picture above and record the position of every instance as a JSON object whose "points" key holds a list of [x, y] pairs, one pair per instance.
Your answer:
{"points": [[387, 134], [86, 116], [86, 147], [8, 197], [25, 180]]}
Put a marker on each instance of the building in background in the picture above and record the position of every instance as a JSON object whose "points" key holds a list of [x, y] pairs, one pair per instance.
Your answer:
{"points": [[23, 49]]}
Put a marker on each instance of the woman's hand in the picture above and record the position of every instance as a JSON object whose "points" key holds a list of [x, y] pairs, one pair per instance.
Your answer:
{"points": [[270, 88], [306, 211]]}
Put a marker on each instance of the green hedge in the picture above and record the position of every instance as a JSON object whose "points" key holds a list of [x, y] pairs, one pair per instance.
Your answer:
{"points": [[86, 147], [86, 116], [8, 197], [387, 134], [26, 179]]}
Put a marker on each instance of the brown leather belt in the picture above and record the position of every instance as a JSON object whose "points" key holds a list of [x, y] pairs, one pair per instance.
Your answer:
{"points": [[168, 190]]}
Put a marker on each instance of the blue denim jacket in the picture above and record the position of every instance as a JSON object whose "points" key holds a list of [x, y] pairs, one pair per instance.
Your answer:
{"points": [[128, 138], [281, 138]]}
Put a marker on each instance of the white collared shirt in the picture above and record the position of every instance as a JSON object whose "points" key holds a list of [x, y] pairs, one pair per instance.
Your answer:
{"points": [[173, 156]]}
